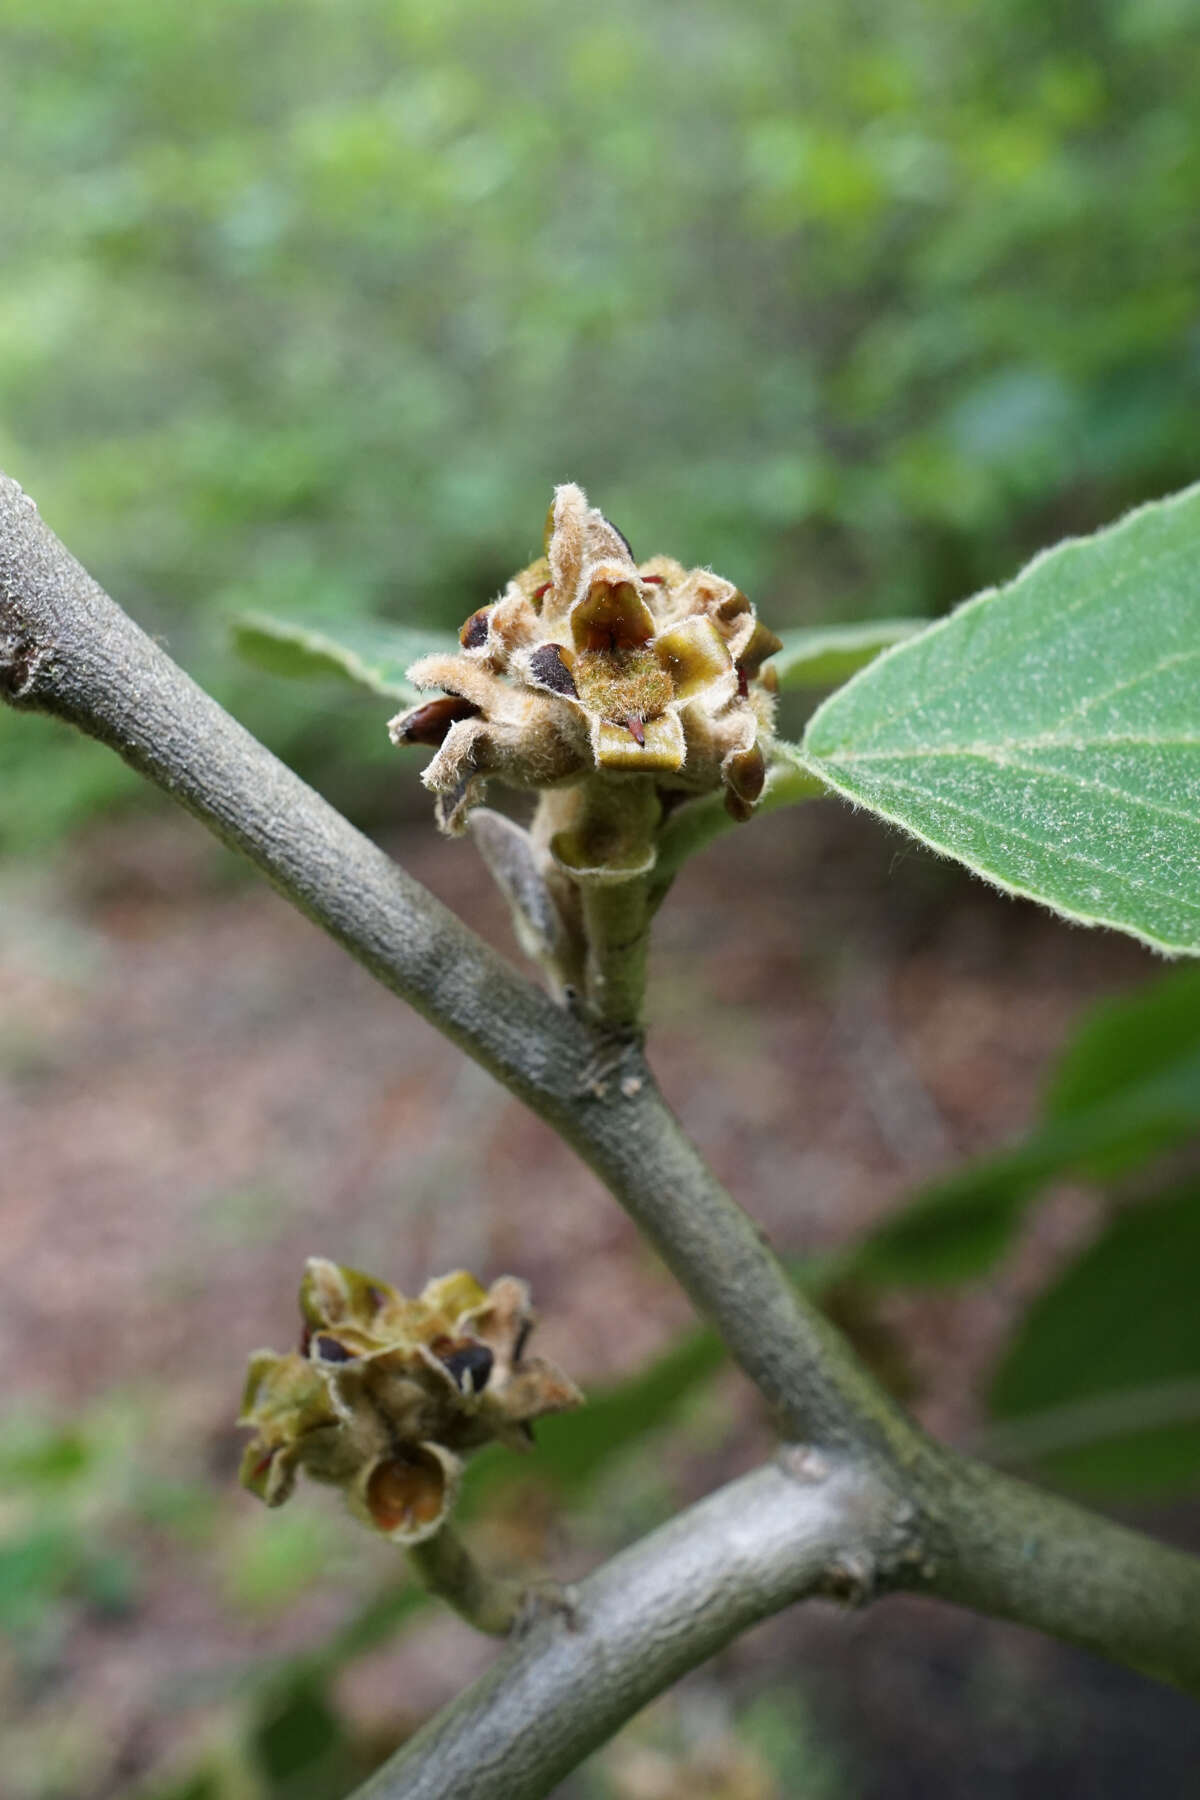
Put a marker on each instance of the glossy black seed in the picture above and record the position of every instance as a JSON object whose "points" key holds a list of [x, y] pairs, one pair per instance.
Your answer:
{"points": [[548, 669], [329, 1350], [471, 1366]]}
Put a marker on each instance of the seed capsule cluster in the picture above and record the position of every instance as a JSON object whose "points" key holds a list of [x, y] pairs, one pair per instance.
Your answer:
{"points": [[590, 662], [386, 1395]]}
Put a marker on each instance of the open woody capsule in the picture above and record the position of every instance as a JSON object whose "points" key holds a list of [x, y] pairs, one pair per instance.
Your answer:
{"points": [[591, 663], [386, 1395]]}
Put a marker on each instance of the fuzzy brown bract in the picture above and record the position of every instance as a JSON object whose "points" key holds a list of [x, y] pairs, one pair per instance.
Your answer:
{"points": [[590, 663], [386, 1394]]}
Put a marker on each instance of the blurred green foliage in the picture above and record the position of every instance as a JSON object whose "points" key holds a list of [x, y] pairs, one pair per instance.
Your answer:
{"points": [[305, 307], [1126, 1090], [1110, 1355], [89, 1506], [63, 1552], [1100, 1388]]}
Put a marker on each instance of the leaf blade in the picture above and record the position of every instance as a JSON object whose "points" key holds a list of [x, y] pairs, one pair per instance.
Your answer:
{"points": [[820, 655], [1047, 734], [368, 653], [1120, 1321]]}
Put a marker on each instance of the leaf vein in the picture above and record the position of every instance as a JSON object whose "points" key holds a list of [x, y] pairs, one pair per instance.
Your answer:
{"points": [[1095, 595]]}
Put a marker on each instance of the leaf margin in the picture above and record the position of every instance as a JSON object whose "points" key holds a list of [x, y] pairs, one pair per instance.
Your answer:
{"points": [[1065, 548]]}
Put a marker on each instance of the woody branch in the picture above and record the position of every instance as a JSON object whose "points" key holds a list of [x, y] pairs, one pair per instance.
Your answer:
{"points": [[936, 1521]]}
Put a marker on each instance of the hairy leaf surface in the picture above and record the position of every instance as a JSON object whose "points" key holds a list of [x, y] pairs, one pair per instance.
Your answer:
{"points": [[1047, 734]]}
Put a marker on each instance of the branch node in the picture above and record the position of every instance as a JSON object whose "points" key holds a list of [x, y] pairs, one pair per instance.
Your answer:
{"points": [[850, 1579], [22, 659], [547, 1599], [803, 1463], [614, 1050]]}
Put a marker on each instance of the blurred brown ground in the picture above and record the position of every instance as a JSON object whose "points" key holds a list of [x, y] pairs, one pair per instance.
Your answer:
{"points": [[197, 1090]]}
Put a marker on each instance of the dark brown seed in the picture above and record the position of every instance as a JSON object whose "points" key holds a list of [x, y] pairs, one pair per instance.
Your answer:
{"points": [[329, 1350], [548, 669], [430, 723], [622, 537], [471, 1367], [474, 632]]}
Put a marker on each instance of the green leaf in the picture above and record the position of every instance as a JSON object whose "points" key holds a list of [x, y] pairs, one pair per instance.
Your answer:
{"points": [[38, 1454], [1133, 1072], [302, 1748], [1122, 1322], [1128, 1086], [573, 1447], [36, 1566], [369, 653], [1047, 734], [953, 1230], [820, 655]]}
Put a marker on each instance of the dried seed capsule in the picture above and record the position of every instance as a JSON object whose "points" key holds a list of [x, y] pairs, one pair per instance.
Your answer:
{"points": [[393, 1392], [591, 663]]}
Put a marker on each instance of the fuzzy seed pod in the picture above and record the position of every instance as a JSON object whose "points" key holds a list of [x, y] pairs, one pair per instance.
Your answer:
{"points": [[386, 1394], [592, 663]]}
